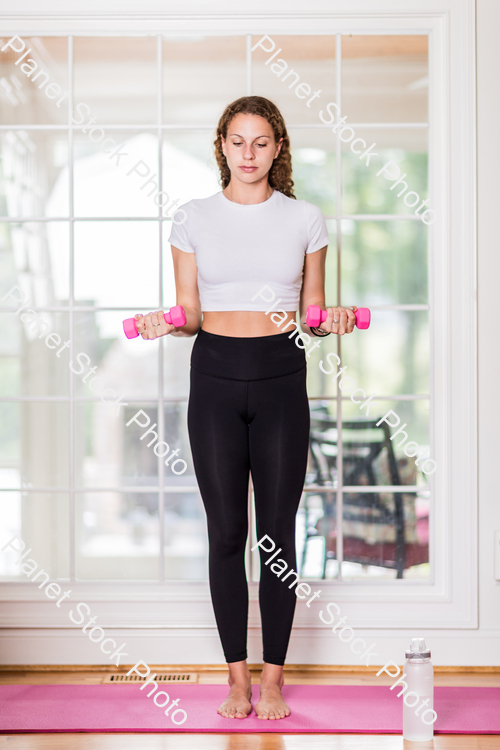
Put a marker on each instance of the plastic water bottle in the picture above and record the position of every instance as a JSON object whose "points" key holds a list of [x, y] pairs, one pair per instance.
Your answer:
{"points": [[420, 680]]}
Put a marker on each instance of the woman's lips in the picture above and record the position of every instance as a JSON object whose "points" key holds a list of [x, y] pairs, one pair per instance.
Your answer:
{"points": [[248, 169]]}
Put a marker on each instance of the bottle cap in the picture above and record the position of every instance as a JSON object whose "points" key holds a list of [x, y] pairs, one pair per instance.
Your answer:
{"points": [[418, 649]]}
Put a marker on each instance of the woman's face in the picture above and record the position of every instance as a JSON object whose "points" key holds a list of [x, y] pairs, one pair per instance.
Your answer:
{"points": [[250, 148]]}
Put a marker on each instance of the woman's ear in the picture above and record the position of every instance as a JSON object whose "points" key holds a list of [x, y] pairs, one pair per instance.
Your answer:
{"points": [[278, 148], [223, 142]]}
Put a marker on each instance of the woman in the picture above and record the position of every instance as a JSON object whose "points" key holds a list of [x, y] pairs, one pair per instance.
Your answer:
{"points": [[248, 411]]}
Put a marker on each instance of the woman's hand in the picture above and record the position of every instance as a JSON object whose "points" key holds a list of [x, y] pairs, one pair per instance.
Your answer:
{"points": [[153, 325], [340, 320]]}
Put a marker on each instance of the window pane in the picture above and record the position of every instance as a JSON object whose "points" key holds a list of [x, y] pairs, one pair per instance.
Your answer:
{"points": [[385, 78], [34, 443], [29, 365], [116, 264], [117, 535], [10, 449], [23, 89], [201, 76], [34, 173], [10, 372], [189, 168], [313, 60], [186, 541], [35, 257], [41, 520], [376, 455], [363, 192], [371, 520], [381, 533], [116, 180], [391, 357], [176, 366], [370, 455], [322, 464], [314, 167], [384, 263], [385, 533], [116, 78], [316, 522], [45, 444], [10, 355], [110, 454], [176, 436], [331, 267], [128, 366]]}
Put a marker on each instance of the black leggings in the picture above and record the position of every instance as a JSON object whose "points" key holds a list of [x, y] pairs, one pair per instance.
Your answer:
{"points": [[248, 412]]}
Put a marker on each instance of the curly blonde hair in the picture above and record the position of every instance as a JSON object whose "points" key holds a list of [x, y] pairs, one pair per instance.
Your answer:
{"points": [[280, 174]]}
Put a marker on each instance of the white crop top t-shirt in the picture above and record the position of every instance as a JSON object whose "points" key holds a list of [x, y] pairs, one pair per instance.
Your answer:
{"points": [[241, 248]]}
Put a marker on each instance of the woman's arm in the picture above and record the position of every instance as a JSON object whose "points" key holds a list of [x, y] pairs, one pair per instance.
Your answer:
{"points": [[313, 293], [153, 325], [187, 294]]}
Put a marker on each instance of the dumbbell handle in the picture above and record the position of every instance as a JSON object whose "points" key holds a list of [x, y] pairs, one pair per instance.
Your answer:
{"points": [[175, 316], [316, 316]]}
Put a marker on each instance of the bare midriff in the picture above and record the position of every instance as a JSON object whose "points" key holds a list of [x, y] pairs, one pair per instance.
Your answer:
{"points": [[243, 324]]}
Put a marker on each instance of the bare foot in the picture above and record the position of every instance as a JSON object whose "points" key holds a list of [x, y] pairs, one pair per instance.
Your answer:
{"points": [[237, 704], [271, 704]]}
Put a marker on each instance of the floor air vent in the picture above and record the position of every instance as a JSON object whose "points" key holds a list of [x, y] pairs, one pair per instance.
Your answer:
{"points": [[161, 677]]}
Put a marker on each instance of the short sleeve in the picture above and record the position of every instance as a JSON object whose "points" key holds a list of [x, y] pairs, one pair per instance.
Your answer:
{"points": [[179, 235], [317, 233]]}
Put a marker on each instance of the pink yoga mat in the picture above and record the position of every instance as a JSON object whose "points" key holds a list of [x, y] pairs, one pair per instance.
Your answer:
{"points": [[315, 708]]}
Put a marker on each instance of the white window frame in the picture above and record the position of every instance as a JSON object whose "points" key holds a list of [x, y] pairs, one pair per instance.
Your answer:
{"points": [[450, 599]]}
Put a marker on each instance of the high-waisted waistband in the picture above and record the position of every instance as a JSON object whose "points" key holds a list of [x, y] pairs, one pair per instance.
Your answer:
{"points": [[256, 358]]}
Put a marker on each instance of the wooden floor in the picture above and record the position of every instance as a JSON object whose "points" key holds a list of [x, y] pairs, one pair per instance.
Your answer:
{"points": [[217, 675]]}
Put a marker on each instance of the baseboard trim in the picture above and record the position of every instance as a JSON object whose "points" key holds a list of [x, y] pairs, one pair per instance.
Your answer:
{"points": [[207, 668]]}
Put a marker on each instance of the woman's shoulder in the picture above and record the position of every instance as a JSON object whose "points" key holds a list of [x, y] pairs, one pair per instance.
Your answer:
{"points": [[201, 205], [310, 210]]}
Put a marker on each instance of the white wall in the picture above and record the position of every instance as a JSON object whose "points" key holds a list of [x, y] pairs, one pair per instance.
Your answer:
{"points": [[488, 119]]}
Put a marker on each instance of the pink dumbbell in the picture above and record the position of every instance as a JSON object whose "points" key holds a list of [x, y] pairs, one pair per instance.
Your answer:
{"points": [[316, 316], [176, 316]]}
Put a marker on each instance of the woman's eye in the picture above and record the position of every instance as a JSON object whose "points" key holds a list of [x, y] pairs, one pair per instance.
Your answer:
{"points": [[262, 145]]}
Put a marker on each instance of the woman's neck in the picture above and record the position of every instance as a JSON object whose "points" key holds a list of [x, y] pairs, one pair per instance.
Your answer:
{"points": [[242, 192]]}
